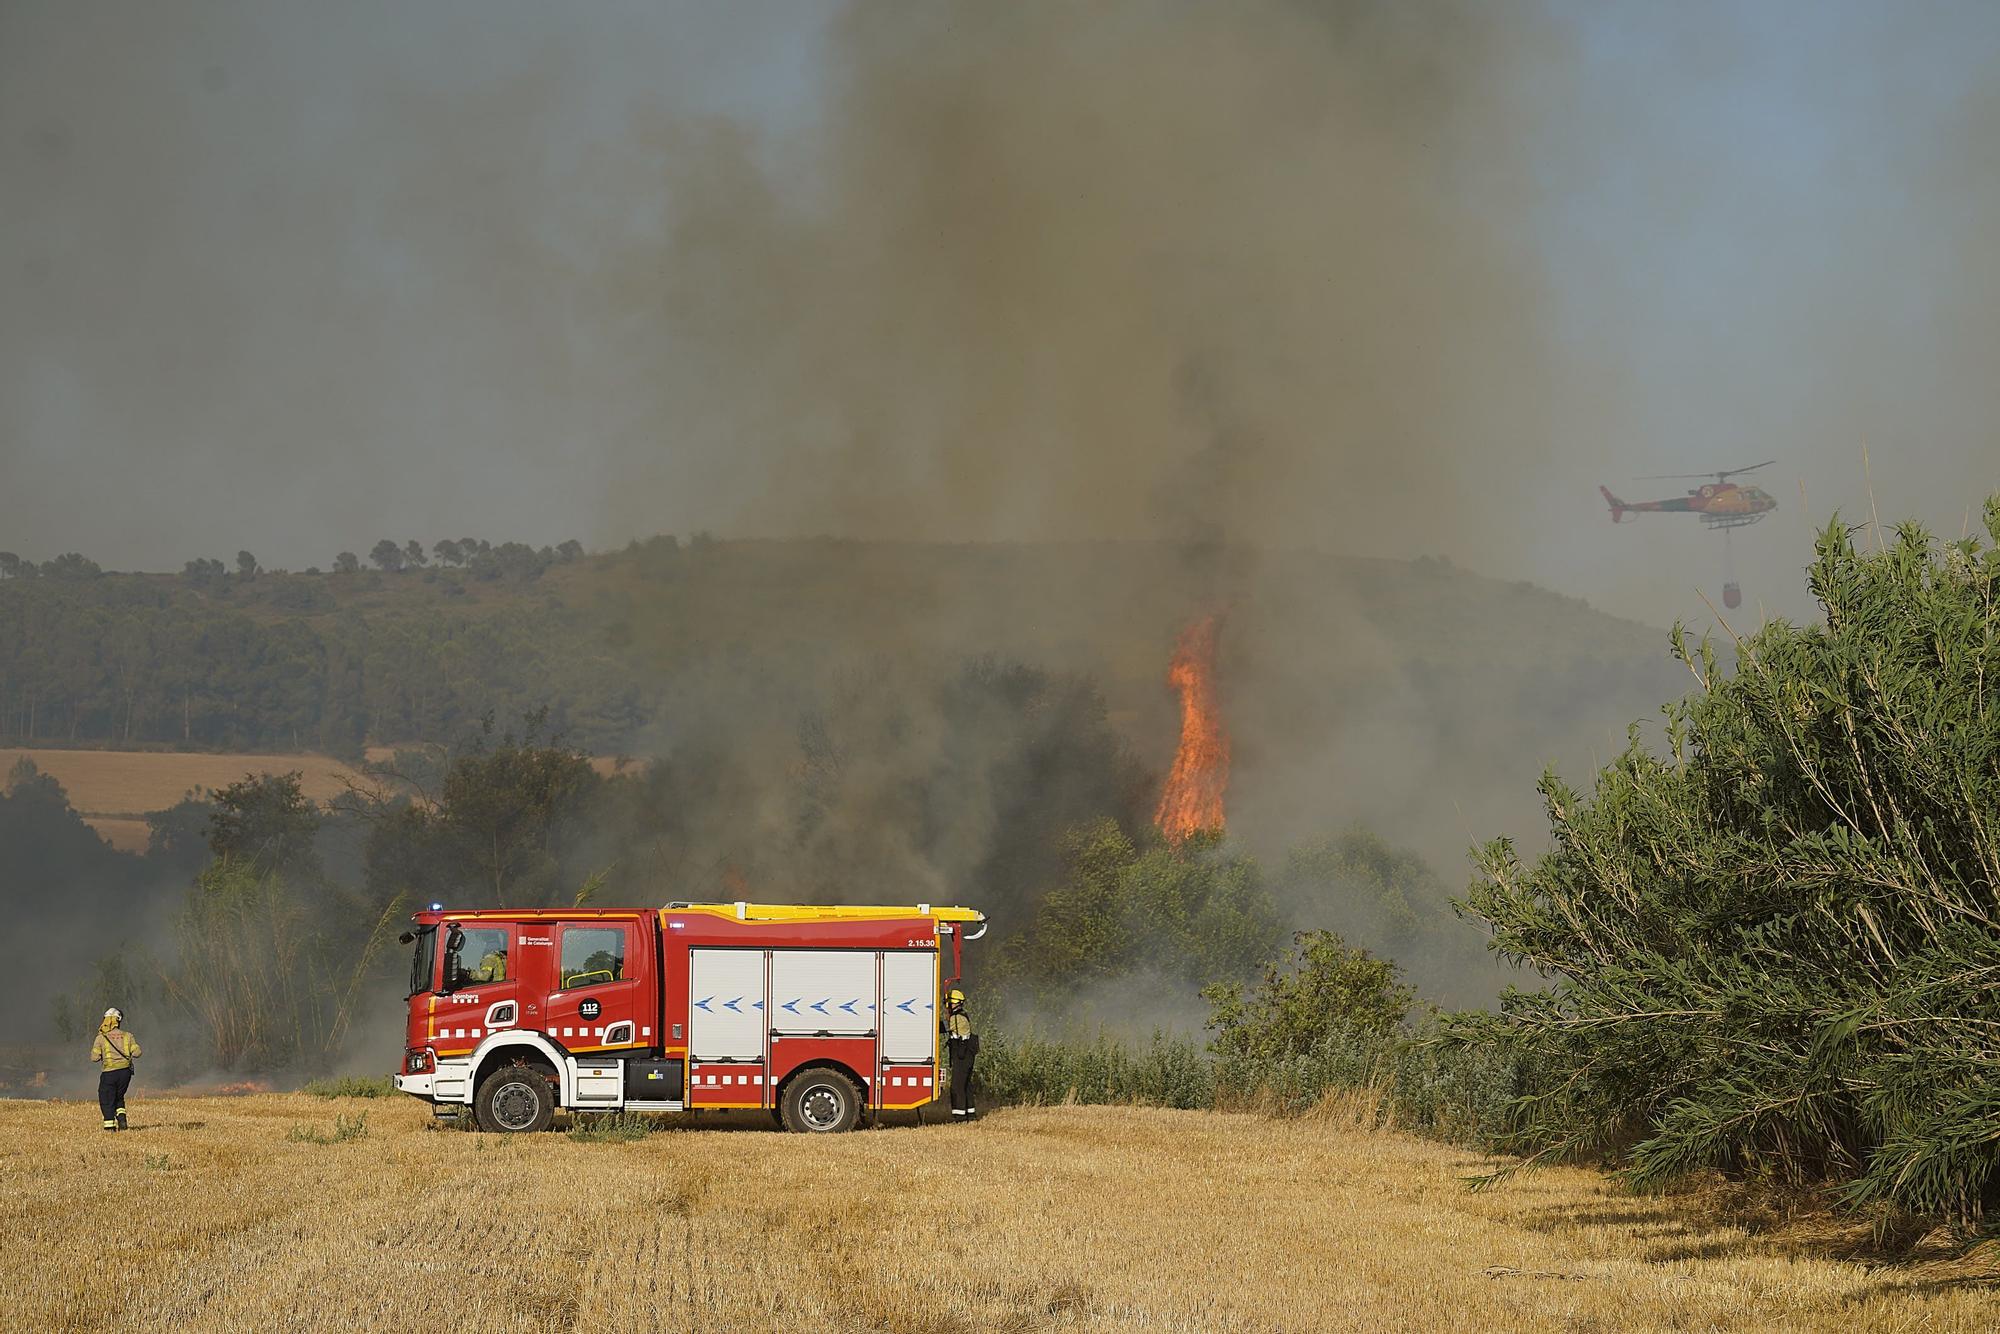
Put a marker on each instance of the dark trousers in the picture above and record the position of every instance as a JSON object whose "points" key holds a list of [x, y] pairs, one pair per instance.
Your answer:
{"points": [[961, 1075], [111, 1086]]}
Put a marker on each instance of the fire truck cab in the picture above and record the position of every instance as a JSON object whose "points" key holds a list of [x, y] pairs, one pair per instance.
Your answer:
{"points": [[819, 1015]]}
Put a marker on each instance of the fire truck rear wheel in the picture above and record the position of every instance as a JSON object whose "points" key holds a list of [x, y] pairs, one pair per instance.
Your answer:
{"points": [[514, 1098], [820, 1100]]}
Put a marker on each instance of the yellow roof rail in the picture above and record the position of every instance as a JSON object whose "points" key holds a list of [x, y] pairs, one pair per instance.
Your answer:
{"points": [[826, 912]]}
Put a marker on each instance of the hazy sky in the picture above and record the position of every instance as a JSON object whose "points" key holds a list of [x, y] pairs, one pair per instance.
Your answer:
{"points": [[1390, 278]]}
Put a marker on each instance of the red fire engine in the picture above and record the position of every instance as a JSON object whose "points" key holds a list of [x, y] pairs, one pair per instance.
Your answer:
{"points": [[818, 1015]]}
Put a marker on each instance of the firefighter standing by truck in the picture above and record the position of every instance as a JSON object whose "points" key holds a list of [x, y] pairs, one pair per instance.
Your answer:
{"points": [[116, 1049], [961, 1045]]}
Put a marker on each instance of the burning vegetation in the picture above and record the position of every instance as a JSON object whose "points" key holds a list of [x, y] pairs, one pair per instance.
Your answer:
{"points": [[1191, 802]]}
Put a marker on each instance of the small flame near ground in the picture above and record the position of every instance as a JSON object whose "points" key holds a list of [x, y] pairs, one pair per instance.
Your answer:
{"points": [[1192, 800], [242, 1088]]}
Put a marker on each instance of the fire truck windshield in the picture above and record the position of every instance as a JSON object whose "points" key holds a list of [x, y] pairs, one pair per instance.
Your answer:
{"points": [[426, 956]]}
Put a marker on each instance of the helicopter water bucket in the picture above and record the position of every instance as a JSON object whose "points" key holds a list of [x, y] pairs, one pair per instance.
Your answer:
{"points": [[1732, 596]]}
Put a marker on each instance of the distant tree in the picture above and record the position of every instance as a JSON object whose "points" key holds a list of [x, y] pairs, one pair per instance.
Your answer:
{"points": [[246, 565], [387, 556], [177, 837], [448, 552], [1197, 912], [267, 821], [569, 551], [503, 819], [313, 570], [10, 565], [346, 563], [204, 573], [413, 554], [512, 560], [71, 565]]}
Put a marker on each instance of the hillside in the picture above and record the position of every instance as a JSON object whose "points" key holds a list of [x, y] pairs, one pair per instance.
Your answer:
{"points": [[333, 662], [1415, 696]]}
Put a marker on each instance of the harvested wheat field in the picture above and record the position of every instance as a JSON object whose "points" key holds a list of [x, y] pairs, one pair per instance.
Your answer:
{"points": [[210, 1215], [115, 789]]}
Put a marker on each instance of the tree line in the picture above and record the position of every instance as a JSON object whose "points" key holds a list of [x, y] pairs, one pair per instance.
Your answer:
{"points": [[281, 665], [476, 555]]}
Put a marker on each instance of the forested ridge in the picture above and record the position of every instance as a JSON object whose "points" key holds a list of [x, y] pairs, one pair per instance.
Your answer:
{"points": [[234, 657]]}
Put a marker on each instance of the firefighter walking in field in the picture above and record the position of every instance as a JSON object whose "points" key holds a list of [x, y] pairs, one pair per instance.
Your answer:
{"points": [[961, 1045], [117, 1049]]}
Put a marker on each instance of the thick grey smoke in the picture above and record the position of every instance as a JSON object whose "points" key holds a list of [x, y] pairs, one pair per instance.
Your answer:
{"points": [[1103, 271], [1432, 271]]}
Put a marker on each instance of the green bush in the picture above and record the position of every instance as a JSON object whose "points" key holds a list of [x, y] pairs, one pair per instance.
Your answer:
{"points": [[1194, 912], [1323, 1017], [344, 1129], [1772, 950]]}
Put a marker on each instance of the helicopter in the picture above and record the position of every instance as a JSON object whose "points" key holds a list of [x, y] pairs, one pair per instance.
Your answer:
{"points": [[1721, 504]]}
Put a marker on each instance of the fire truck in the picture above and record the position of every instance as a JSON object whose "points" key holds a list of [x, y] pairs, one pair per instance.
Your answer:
{"points": [[818, 1015]]}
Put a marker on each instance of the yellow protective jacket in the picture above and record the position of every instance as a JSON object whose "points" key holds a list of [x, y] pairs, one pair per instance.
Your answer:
{"points": [[116, 1048]]}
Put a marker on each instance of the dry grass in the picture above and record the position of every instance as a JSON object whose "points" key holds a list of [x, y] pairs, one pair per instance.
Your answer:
{"points": [[114, 790], [211, 1216], [131, 783]]}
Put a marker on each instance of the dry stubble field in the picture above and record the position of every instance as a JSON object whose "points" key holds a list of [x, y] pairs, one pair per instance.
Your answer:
{"points": [[207, 1216], [116, 789]]}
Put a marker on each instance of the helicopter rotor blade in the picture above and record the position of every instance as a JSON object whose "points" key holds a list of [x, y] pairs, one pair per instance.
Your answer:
{"points": [[1690, 476]]}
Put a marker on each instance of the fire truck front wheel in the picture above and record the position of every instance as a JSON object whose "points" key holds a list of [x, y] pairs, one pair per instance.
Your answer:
{"points": [[820, 1100], [514, 1098]]}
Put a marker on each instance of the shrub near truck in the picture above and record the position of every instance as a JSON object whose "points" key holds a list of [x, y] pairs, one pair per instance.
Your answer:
{"points": [[819, 1015]]}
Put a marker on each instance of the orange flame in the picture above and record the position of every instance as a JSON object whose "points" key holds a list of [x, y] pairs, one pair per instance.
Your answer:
{"points": [[241, 1088], [1192, 800]]}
